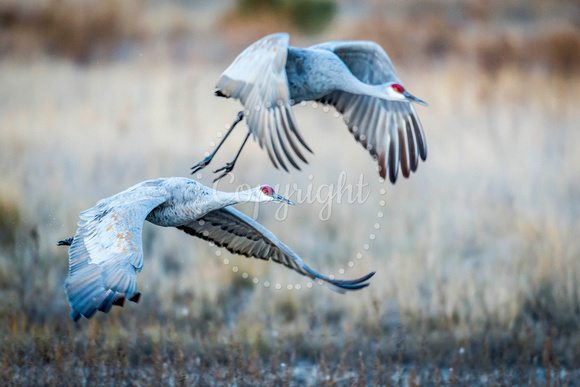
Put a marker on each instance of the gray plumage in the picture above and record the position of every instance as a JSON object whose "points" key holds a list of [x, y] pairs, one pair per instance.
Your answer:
{"points": [[356, 77], [106, 251]]}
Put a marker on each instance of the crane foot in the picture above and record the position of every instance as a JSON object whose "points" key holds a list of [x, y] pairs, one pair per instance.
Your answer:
{"points": [[201, 165], [226, 168]]}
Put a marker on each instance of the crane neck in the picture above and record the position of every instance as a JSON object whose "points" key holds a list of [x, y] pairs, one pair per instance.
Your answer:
{"points": [[223, 199], [353, 85]]}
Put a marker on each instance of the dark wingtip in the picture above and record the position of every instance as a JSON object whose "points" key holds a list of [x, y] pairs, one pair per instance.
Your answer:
{"points": [[120, 302], [382, 172], [355, 281], [75, 316], [356, 284], [218, 93], [403, 157], [65, 242], [420, 137], [353, 287], [368, 276], [382, 166], [393, 163], [135, 297]]}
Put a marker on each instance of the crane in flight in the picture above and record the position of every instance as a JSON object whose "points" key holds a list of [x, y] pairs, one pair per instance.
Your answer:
{"points": [[106, 252], [356, 77]]}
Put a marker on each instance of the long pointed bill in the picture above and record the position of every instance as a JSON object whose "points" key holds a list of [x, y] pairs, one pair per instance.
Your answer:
{"points": [[279, 198], [411, 97]]}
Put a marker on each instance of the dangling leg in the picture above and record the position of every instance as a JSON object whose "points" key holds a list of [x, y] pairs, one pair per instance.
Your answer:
{"points": [[230, 166], [204, 163]]}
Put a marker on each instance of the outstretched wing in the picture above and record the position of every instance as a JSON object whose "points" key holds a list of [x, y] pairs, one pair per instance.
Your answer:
{"points": [[238, 233], [257, 77], [389, 130], [106, 251]]}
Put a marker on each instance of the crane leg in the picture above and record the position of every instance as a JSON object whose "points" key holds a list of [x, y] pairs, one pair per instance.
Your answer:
{"points": [[230, 166], [205, 162]]}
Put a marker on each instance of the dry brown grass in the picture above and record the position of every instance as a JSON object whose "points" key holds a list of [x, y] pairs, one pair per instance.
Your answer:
{"points": [[476, 257], [80, 30], [556, 50], [419, 32]]}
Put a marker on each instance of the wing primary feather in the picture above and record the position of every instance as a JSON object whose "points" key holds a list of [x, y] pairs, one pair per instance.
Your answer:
{"points": [[343, 284], [273, 142], [403, 154], [374, 129], [268, 146], [382, 165], [294, 130], [355, 281], [393, 153], [402, 144], [278, 126], [422, 145], [293, 145], [413, 157]]}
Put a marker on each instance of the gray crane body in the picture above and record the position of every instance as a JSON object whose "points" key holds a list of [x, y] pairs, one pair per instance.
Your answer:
{"points": [[189, 201]]}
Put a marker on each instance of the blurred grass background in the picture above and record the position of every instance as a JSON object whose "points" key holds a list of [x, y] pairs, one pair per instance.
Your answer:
{"points": [[477, 255]]}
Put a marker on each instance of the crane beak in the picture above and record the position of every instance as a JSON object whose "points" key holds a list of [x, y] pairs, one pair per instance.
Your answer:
{"points": [[279, 198], [412, 98]]}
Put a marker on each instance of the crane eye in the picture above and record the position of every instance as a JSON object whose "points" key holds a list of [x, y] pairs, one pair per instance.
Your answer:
{"points": [[267, 190], [398, 88]]}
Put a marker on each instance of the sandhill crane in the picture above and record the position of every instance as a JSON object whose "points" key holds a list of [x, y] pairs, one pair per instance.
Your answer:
{"points": [[356, 77], [106, 251]]}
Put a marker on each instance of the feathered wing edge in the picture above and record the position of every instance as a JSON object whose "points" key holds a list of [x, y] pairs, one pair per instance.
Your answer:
{"points": [[91, 287], [106, 252]]}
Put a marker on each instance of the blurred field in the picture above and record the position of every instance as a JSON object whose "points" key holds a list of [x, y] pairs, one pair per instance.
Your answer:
{"points": [[477, 255]]}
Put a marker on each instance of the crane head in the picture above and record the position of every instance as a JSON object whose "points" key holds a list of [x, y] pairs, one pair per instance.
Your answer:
{"points": [[397, 92], [267, 194]]}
